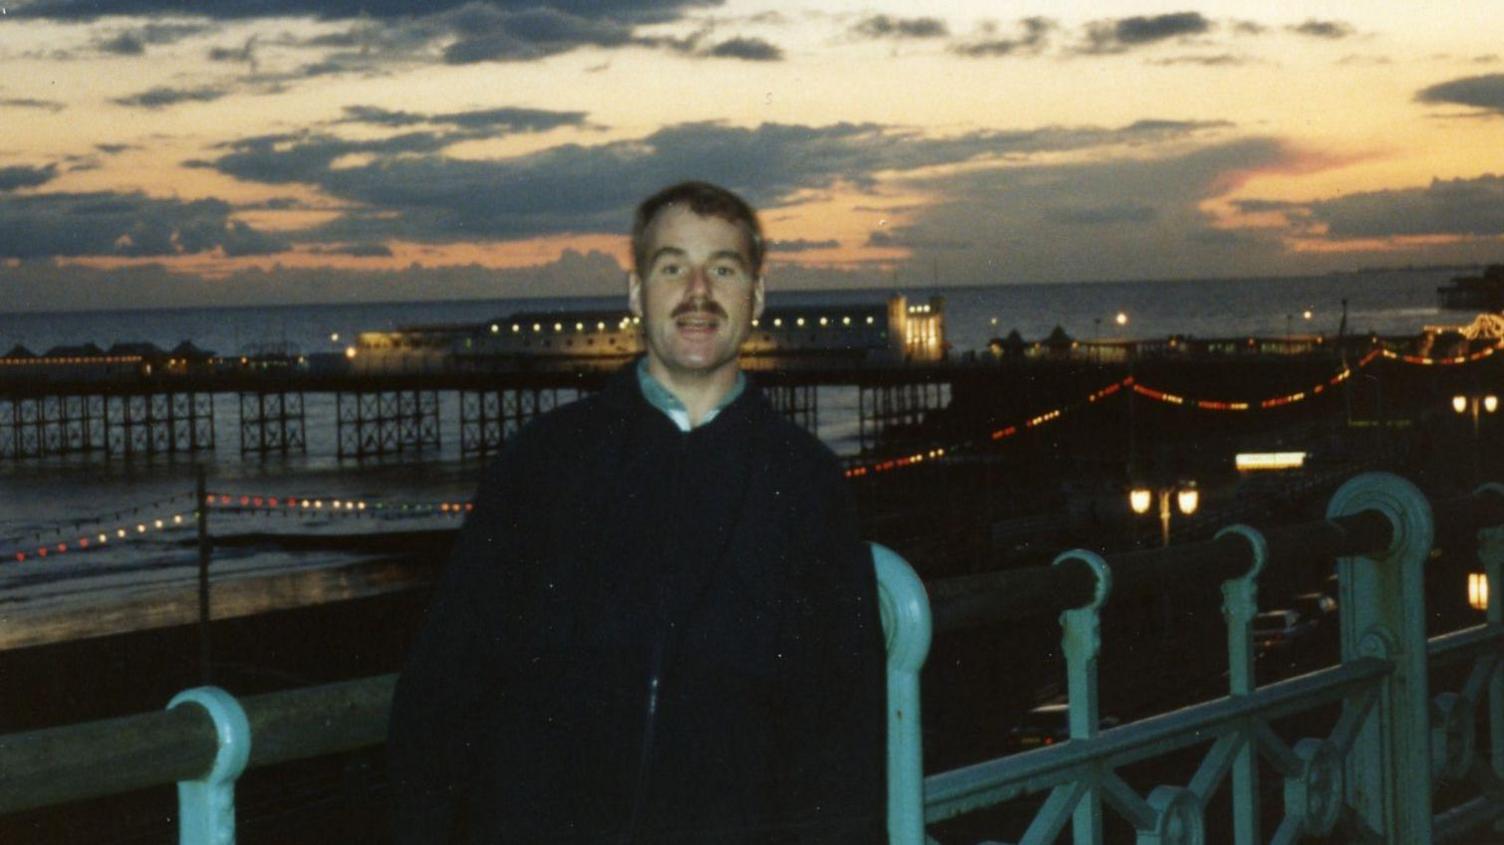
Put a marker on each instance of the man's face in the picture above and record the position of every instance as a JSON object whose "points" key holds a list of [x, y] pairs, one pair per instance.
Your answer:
{"points": [[697, 295]]}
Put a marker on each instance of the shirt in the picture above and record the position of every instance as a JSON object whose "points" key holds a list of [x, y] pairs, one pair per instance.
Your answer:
{"points": [[664, 400]]}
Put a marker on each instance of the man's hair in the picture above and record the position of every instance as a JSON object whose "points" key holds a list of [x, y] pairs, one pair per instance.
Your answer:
{"points": [[706, 200]]}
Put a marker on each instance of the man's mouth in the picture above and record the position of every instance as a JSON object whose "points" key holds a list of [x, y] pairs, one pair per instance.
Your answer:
{"points": [[698, 322]]}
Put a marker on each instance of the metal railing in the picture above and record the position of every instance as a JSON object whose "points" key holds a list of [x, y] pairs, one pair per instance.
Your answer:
{"points": [[1372, 775]]}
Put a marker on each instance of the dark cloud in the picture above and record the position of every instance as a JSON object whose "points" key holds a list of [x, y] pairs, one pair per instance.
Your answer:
{"points": [[134, 41], [749, 49], [508, 119], [1117, 36], [115, 149], [1142, 217], [885, 26], [910, 237], [409, 190], [1248, 28], [21, 176], [643, 11], [1466, 207], [1033, 37], [124, 44], [1331, 30], [358, 250], [161, 97], [31, 103], [488, 34], [245, 53], [801, 245], [1101, 215], [1480, 92], [121, 224], [1218, 60]]}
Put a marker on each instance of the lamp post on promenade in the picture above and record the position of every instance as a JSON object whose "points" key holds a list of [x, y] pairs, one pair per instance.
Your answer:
{"points": [[1187, 499], [1472, 404]]}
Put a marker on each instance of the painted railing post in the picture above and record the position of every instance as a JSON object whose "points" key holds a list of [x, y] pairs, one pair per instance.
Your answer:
{"points": [[206, 807], [1491, 555], [1081, 641], [906, 625], [1240, 603], [1382, 602]]}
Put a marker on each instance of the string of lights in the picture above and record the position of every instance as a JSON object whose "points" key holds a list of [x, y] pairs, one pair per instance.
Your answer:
{"points": [[1128, 383], [332, 505], [100, 537], [1427, 361]]}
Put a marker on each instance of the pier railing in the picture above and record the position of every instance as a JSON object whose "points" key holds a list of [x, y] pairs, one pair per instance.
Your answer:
{"points": [[1370, 773]]}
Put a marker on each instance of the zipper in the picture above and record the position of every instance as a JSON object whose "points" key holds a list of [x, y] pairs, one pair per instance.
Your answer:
{"points": [[645, 758], [655, 667]]}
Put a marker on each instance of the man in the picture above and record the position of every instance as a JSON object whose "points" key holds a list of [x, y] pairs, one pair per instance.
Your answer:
{"points": [[658, 624]]}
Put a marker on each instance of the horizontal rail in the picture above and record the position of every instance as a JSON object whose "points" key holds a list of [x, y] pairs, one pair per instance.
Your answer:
{"points": [[951, 793], [973, 601], [76, 762]]}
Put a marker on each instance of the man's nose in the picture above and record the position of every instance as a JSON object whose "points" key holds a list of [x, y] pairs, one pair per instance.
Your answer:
{"points": [[699, 282]]}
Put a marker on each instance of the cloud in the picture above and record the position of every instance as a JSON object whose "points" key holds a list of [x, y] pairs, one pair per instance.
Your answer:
{"points": [[135, 40], [487, 34], [1032, 39], [749, 49], [1330, 30], [115, 149], [646, 11], [1481, 92], [359, 250], [1217, 60], [162, 96], [507, 118], [123, 224], [801, 245], [21, 176], [1123, 34], [885, 26], [42, 285], [31, 103], [1464, 207], [406, 188], [1133, 217]]}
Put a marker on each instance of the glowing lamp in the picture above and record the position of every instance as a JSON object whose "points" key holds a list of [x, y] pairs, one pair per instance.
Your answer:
{"points": [[1306, 314], [349, 352], [1477, 590], [334, 337], [1459, 404], [1139, 499], [1187, 500], [1121, 319], [1490, 403]]}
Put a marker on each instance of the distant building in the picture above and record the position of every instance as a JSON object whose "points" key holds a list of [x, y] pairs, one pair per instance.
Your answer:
{"points": [[897, 331]]}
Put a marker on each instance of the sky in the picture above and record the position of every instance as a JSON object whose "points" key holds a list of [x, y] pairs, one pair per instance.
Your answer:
{"points": [[162, 153]]}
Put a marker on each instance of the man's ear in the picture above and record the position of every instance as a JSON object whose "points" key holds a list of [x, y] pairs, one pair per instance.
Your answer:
{"points": [[634, 293], [759, 292]]}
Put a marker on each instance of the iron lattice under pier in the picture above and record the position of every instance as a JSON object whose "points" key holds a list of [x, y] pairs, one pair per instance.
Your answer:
{"points": [[272, 421], [800, 403], [886, 407], [489, 417], [387, 422], [124, 424]]}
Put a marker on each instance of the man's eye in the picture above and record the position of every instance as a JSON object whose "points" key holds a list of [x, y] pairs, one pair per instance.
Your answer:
{"points": [[725, 272], [669, 269]]}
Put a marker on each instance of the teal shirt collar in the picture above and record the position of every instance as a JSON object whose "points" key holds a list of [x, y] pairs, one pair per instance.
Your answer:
{"points": [[661, 398]]}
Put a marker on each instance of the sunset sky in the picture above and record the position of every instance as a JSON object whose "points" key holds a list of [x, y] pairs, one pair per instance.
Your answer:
{"points": [[305, 151]]}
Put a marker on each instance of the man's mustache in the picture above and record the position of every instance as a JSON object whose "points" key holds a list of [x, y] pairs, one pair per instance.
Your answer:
{"points": [[699, 306]]}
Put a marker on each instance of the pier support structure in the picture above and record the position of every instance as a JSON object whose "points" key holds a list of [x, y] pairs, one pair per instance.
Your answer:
{"points": [[123, 424], [386, 422], [272, 421], [159, 423], [900, 405], [489, 417], [799, 402]]}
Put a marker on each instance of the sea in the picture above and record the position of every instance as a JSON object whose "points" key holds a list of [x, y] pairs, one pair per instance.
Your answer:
{"points": [[138, 515]]}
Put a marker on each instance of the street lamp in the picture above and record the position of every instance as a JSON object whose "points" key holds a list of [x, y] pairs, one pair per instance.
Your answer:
{"points": [[1467, 404], [1187, 499], [1477, 590]]}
